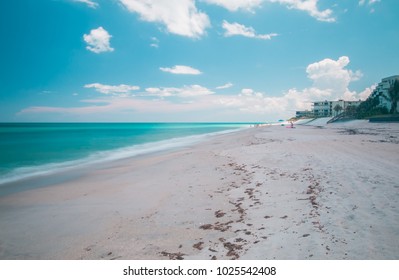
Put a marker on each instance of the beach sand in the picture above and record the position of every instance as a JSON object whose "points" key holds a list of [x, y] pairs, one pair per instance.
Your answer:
{"points": [[313, 192]]}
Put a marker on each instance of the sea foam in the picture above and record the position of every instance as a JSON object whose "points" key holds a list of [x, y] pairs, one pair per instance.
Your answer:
{"points": [[22, 173]]}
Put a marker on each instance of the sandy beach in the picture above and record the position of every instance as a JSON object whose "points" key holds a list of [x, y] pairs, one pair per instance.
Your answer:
{"points": [[313, 192]]}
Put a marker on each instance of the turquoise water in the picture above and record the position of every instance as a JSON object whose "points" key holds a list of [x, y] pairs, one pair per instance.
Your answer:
{"points": [[28, 149]]}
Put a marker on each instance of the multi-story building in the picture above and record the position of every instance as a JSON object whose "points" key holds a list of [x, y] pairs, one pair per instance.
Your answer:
{"points": [[382, 92], [304, 114], [332, 108], [321, 109]]}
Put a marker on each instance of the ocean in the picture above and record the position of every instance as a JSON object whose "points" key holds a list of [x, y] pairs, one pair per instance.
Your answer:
{"points": [[31, 149]]}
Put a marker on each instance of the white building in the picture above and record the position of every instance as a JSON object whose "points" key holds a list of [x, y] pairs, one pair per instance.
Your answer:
{"points": [[304, 114], [382, 91], [332, 108]]}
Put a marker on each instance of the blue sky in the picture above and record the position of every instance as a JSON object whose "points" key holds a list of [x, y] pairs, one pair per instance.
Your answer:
{"points": [[187, 60]]}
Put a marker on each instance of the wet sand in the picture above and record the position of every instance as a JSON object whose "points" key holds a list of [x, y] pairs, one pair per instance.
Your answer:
{"points": [[313, 192]]}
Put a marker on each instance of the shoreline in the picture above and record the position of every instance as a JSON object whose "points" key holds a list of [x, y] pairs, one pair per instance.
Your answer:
{"points": [[260, 193], [106, 157]]}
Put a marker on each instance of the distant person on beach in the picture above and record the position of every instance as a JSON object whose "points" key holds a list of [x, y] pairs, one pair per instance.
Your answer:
{"points": [[292, 124]]}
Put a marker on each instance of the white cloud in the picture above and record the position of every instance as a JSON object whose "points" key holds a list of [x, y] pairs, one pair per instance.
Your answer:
{"points": [[247, 91], [121, 89], [181, 69], [333, 75], [309, 6], [89, 3], [154, 42], [369, 2], [180, 17], [366, 93], [234, 5], [186, 91], [225, 86], [110, 107], [98, 40], [194, 90], [236, 29], [160, 92], [330, 80], [253, 102]]}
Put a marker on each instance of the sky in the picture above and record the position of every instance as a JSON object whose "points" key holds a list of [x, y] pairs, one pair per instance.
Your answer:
{"points": [[189, 60]]}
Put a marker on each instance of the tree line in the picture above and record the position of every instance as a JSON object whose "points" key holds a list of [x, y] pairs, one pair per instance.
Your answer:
{"points": [[371, 107]]}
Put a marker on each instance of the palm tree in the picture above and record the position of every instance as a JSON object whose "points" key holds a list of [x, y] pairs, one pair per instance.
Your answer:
{"points": [[394, 96], [337, 108]]}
